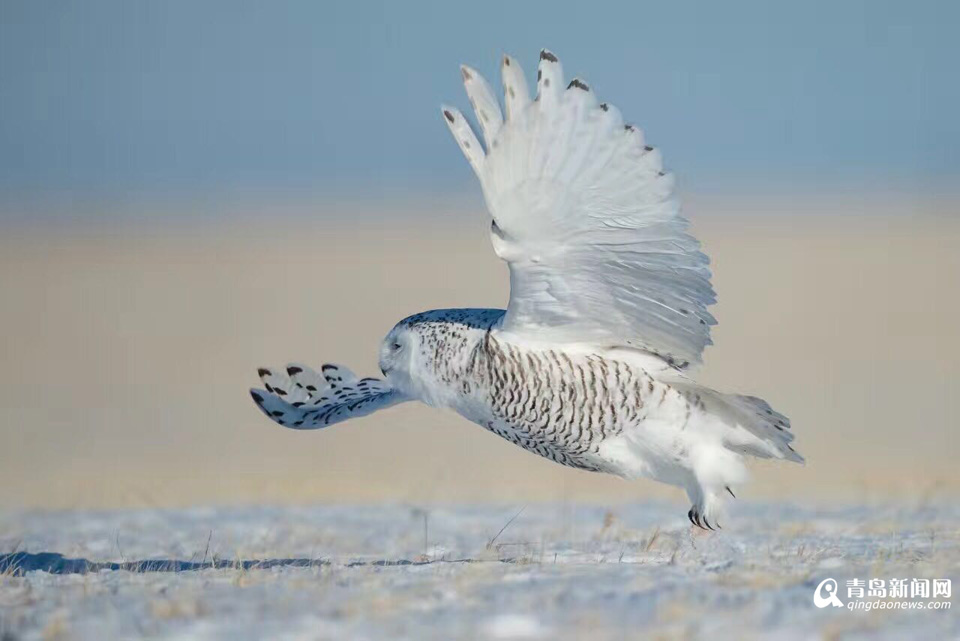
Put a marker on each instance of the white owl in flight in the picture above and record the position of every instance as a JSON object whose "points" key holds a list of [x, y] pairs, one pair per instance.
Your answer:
{"points": [[589, 364]]}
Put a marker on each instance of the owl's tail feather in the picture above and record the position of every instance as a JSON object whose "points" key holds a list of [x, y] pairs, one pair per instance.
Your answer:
{"points": [[753, 427], [767, 426], [755, 415]]}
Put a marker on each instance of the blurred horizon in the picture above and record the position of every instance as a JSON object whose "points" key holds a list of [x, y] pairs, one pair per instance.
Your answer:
{"points": [[129, 356], [118, 109]]}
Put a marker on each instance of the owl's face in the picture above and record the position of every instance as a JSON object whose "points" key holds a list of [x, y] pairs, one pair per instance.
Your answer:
{"points": [[397, 355], [425, 355], [421, 357]]}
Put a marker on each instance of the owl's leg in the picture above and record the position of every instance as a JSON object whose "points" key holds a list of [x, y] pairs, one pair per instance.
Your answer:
{"points": [[714, 471]]}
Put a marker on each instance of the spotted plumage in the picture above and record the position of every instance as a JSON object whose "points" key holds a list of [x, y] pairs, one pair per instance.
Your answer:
{"points": [[589, 365]]}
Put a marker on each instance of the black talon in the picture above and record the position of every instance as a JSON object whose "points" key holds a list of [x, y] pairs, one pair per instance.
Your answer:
{"points": [[690, 516], [731, 492], [709, 527]]}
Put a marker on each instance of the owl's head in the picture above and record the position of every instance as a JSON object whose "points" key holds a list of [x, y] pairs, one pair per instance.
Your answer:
{"points": [[397, 350], [425, 354], [409, 359]]}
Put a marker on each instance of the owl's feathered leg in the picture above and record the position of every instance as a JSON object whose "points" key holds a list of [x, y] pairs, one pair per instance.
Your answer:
{"points": [[714, 469]]}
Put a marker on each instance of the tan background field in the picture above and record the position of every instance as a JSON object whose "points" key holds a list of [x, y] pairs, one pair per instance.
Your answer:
{"points": [[128, 352]]}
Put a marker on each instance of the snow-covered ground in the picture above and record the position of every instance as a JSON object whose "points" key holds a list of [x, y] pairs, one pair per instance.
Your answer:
{"points": [[554, 571]]}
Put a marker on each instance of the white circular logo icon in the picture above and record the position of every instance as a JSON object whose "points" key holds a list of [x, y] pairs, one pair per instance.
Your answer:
{"points": [[826, 594]]}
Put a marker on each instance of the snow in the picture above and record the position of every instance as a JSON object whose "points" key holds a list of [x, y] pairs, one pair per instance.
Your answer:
{"points": [[556, 571]]}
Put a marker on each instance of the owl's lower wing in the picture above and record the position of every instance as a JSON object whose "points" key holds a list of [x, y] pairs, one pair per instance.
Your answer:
{"points": [[302, 399], [586, 218]]}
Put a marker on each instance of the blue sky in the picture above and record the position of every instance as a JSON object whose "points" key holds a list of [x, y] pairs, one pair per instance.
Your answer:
{"points": [[128, 103]]}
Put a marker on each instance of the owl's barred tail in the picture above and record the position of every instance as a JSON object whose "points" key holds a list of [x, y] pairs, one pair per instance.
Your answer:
{"points": [[768, 431], [752, 426], [755, 415]]}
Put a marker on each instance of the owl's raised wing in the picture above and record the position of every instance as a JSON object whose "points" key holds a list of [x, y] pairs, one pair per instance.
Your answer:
{"points": [[585, 217], [302, 399]]}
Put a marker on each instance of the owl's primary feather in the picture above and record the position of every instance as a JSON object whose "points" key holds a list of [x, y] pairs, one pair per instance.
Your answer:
{"points": [[302, 399], [608, 308], [585, 217]]}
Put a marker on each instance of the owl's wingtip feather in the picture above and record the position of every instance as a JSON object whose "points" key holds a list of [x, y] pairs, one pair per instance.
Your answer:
{"points": [[546, 54]]}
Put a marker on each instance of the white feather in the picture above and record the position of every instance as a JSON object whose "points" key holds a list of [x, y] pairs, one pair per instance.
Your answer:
{"points": [[586, 218], [465, 137], [549, 80], [484, 102], [516, 96]]}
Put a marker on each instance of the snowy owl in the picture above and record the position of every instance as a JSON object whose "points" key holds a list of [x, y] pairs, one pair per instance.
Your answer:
{"points": [[589, 365]]}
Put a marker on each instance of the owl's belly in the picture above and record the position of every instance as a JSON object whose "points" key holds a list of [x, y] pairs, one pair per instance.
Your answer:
{"points": [[558, 404], [650, 445], [564, 435], [550, 444]]}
